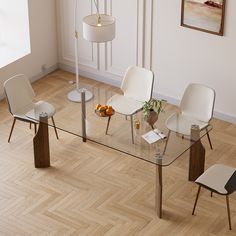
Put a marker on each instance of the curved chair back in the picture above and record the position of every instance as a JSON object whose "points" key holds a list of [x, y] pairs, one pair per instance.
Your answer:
{"points": [[198, 101], [138, 83], [19, 93]]}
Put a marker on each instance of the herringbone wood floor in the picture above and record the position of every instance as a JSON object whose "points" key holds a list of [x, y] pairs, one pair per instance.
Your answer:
{"points": [[91, 190]]}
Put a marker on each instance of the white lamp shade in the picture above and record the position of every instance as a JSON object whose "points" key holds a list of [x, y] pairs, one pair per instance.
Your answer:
{"points": [[99, 30]]}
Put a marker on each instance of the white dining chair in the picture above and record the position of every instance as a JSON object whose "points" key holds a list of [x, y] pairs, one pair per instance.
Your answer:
{"points": [[219, 179], [20, 94], [137, 86], [196, 108]]}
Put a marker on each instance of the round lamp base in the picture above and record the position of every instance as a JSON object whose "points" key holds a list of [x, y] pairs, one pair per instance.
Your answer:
{"points": [[75, 95]]}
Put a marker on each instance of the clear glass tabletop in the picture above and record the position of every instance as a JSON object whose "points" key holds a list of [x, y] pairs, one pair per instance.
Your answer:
{"points": [[68, 117]]}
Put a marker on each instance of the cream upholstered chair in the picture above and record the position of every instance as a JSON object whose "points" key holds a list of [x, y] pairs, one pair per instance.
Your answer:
{"points": [[20, 94], [219, 179], [196, 108], [137, 88]]}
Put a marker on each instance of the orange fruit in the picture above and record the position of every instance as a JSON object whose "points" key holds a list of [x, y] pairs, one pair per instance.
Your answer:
{"points": [[98, 106], [102, 108], [109, 111]]}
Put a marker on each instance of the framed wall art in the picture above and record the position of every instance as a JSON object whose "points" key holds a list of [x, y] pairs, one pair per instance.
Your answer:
{"points": [[207, 16]]}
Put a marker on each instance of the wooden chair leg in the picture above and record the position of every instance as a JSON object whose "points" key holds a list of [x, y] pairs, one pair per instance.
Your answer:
{"points": [[211, 194], [167, 139], [54, 126], [30, 125], [195, 204], [108, 123], [35, 128], [132, 128], [228, 210], [12, 127], [208, 136]]}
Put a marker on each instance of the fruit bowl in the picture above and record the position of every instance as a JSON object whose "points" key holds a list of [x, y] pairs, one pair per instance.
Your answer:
{"points": [[104, 110]]}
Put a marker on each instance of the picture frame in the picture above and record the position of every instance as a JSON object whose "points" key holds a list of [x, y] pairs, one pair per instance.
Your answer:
{"points": [[203, 15]]}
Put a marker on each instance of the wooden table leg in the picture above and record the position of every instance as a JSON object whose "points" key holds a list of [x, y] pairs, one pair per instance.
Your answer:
{"points": [[159, 187], [83, 113], [108, 123], [41, 144], [197, 155]]}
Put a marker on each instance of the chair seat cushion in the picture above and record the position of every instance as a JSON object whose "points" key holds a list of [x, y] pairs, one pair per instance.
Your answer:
{"points": [[41, 107], [182, 123], [124, 105], [219, 178]]}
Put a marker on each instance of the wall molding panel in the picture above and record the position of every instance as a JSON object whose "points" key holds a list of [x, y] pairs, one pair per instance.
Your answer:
{"points": [[133, 27], [140, 33], [148, 29], [148, 34], [88, 52], [122, 51]]}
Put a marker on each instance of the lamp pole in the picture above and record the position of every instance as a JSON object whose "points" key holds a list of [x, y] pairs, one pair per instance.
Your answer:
{"points": [[75, 95], [97, 28]]}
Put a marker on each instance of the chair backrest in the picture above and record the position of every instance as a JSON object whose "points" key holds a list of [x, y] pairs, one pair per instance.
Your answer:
{"points": [[19, 92], [138, 83], [198, 101]]}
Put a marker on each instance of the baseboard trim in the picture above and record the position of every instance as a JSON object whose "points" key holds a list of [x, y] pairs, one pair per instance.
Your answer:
{"points": [[225, 117], [171, 100], [217, 114], [2, 96], [44, 73], [92, 75], [38, 76], [114, 82]]}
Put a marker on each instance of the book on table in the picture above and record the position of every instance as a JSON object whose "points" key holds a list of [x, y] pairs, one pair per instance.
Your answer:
{"points": [[153, 136]]}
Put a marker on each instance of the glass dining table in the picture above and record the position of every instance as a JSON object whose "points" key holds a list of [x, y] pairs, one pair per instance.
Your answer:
{"points": [[81, 119]]}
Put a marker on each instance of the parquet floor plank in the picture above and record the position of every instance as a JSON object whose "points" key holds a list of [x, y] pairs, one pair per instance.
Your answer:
{"points": [[92, 190]]}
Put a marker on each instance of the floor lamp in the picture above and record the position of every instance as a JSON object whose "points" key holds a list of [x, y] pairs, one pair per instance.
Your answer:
{"points": [[98, 28]]}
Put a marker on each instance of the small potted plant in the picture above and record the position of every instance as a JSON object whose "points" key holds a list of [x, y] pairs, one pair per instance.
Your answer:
{"points": [[152, 109]]}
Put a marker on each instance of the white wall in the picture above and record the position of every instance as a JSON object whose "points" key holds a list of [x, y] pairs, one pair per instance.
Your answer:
{"points": [[98, 59], [149, 34], [43, 35], [182, 55]]}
